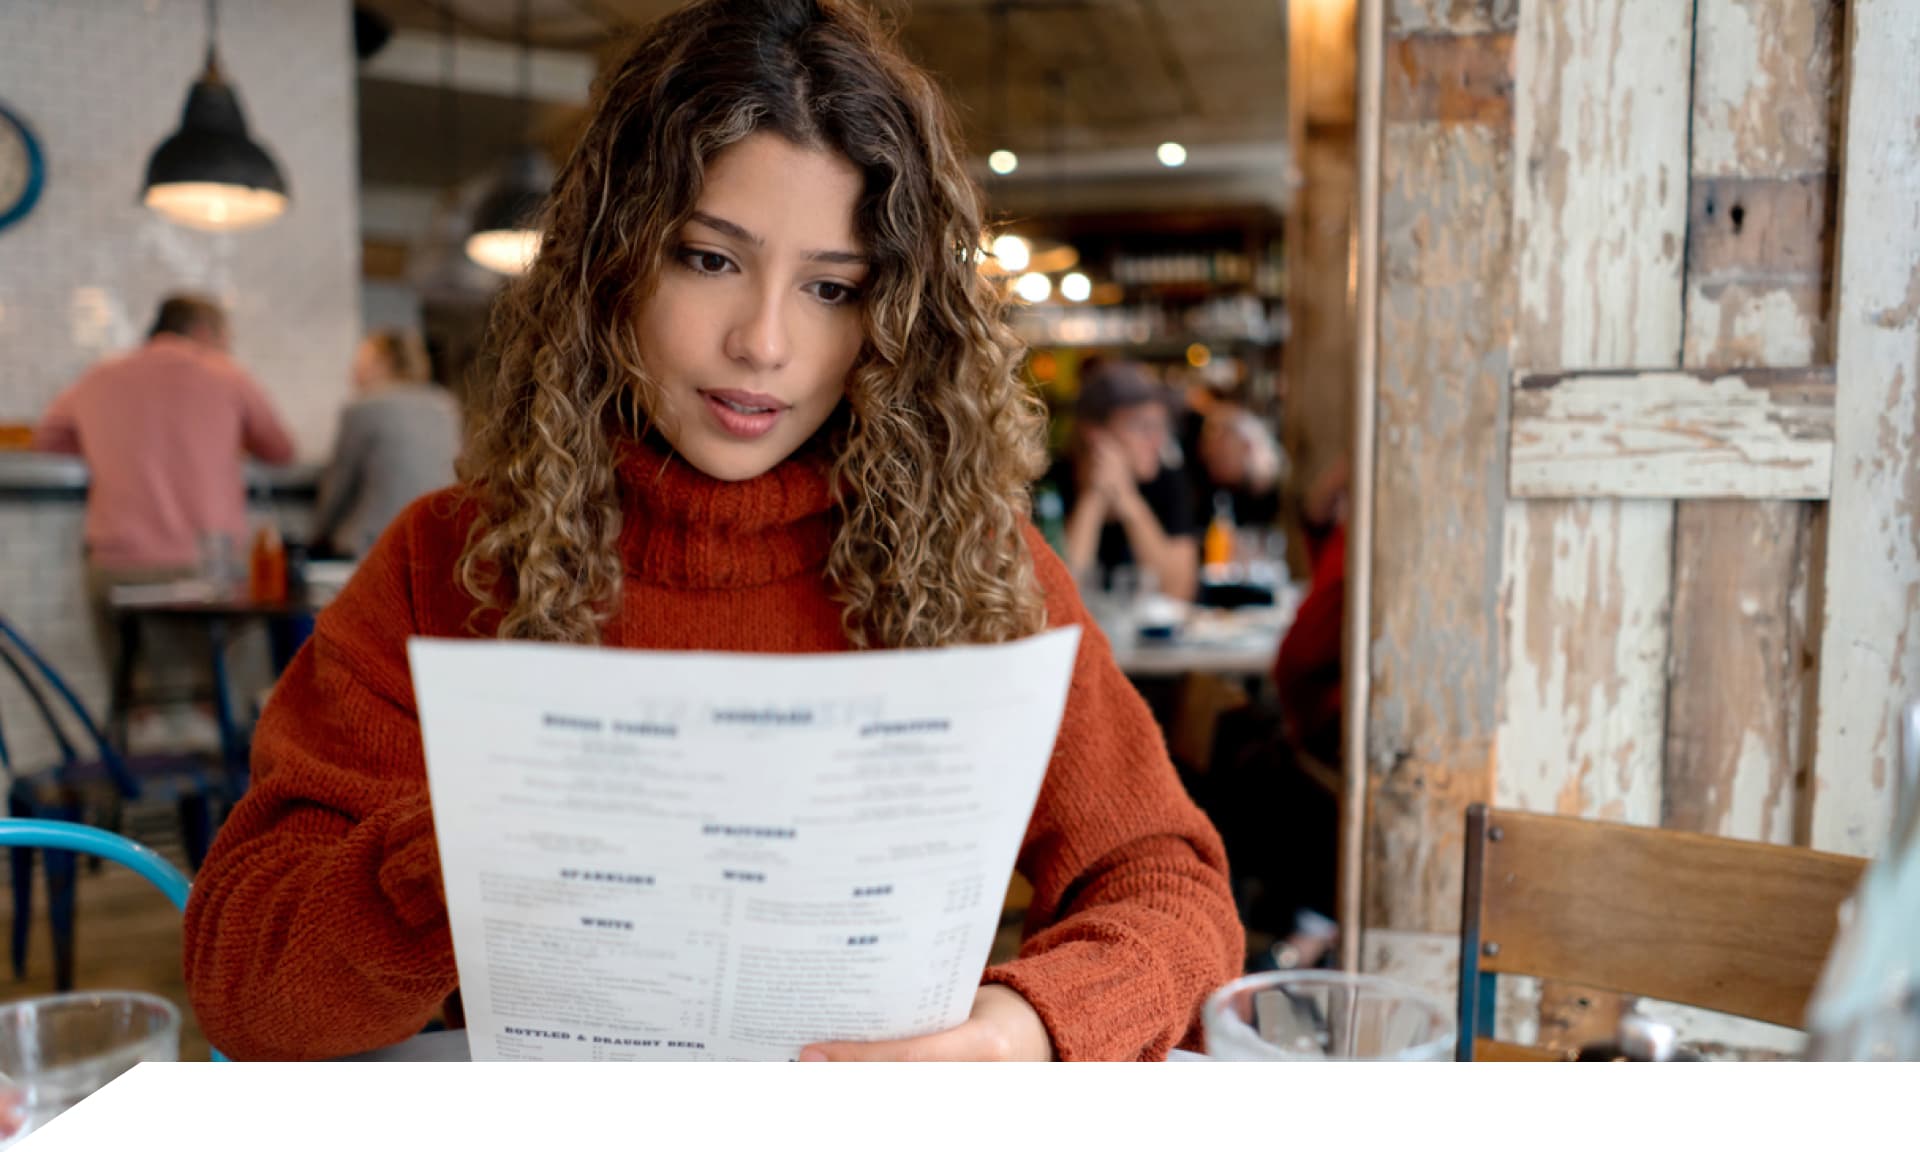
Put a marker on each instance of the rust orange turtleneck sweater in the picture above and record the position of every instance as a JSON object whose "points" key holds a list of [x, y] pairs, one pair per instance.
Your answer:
{"points": [[318, 926]]}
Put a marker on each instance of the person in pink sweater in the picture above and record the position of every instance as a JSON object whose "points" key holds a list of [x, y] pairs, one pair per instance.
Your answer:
{"points": [[165, 430]]}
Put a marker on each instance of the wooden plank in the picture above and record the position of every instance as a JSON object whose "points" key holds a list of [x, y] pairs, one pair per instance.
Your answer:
{"points": [[1739, 663], [1585, 690], [1502, 1052], [1759, 263], [1439, 489], [1722, 924], [1451, 80], [1649, 435], [1870, 653], [1450, 17], [1601, 91]]}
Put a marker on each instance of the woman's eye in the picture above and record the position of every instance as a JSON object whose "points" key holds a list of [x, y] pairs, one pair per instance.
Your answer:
{"points": [[829, 292], [704, 262]]}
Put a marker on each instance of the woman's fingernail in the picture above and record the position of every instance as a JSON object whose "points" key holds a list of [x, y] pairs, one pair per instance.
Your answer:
{"points": [[809, 1055]]}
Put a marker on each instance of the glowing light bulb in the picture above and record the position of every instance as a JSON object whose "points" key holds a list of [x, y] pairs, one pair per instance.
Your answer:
{"points": [[1003, 162], [1012, 252], [1034, 287], [1172, 154], [1076, 287]]}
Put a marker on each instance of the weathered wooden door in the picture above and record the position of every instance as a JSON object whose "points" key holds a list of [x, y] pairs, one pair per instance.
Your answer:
{"points": [[1695, 522]]}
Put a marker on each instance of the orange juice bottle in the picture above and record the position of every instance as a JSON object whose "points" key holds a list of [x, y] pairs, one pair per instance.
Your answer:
{"points": [[1217, 548], [268, 571]]}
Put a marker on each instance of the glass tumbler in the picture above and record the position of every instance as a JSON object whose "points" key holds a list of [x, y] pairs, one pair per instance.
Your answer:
{"points": [[1321, 1015], [57, 1050]]}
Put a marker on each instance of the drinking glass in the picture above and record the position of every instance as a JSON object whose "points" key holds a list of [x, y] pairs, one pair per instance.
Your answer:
{"points": [[57, 1050], [1316, 1015]]}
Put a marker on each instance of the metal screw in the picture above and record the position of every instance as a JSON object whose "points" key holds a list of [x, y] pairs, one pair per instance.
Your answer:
{"points": [[1496, 834], [1491, 948]]}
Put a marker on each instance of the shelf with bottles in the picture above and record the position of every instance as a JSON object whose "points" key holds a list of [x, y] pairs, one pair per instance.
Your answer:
{"points": [[1238, 321], [1198, 273]]}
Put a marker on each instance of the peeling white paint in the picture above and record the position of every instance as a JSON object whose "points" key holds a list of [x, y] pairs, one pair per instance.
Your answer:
{"points": [[1653, 435], [1870, 654]]}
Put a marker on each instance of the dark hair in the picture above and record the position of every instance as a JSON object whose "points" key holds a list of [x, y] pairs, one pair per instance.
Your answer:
{"points": [[181, 315], [938, 438], [1111, 385]]}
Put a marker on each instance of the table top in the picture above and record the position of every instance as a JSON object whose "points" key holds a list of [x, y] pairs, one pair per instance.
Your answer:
{"points": [[198, 599], [1237, 642], [450, 1047]]}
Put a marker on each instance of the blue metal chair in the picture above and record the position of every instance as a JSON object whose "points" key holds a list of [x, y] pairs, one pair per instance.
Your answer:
{"points": [[63, 793], [53, 836]]}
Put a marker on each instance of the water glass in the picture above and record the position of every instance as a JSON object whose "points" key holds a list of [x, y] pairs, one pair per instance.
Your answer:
{"points": [[57, 1050], [220, 563], [1316, 1015]]}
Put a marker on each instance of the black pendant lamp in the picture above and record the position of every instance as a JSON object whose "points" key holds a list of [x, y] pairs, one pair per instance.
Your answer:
{"points": [[210, 174], [503, 237]]}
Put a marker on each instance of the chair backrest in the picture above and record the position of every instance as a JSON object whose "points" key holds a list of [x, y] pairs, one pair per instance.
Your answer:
{"points": [[14, 650], [1726, 925], [62, 836]]}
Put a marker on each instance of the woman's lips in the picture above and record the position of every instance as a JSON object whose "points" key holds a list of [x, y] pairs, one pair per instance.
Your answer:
{"points": [[743, 415]]}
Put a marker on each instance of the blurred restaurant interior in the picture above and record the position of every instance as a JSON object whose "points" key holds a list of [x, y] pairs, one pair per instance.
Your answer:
{"points": [[1560, 326]]}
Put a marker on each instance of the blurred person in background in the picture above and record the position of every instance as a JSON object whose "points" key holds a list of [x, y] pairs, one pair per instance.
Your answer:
{"points": [[165, 430], [1238, 457], [397, 442], [1125, 505], [1307, 670]]}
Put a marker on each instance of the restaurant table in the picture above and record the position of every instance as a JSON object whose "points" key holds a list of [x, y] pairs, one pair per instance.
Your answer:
{"points": [[1231, 643], [289, 622], [450, 1047]]}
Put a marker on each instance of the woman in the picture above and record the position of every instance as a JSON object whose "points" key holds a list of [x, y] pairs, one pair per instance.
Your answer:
{"points": [[397, 442], [752, 396]]}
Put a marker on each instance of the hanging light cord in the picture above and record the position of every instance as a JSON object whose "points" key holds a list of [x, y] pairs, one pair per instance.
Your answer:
{"points": [[525, 28], [213, 35]]}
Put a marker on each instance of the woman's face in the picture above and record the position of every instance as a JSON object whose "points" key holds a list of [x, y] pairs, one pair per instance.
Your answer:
{"points": [[370, 367], [756, 322]]}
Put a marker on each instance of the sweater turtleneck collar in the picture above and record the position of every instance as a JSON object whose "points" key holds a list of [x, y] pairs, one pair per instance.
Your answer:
{"points": [[684, 529]]}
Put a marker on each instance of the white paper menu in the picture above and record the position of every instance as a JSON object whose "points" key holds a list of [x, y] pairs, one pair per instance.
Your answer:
{"points": [[660, 855]]}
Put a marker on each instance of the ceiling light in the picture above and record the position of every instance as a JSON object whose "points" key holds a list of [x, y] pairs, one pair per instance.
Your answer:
{"points": [[210, 174], [1003, 162], [1172, 154], [503, 237], [1012, 252], [1034, 288]]}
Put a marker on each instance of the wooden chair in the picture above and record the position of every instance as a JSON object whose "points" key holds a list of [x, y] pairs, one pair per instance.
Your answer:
{"points": [[1725, 925]]}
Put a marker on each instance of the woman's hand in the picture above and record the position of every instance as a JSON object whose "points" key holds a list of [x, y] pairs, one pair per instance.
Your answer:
{"points": [[1003, 1026]]}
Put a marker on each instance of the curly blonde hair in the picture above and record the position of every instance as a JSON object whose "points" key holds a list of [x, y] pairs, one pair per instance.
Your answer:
{"points": [[937, 441]]}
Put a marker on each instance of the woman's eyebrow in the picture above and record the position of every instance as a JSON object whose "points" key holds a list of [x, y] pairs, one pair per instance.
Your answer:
{"points": [[729, 228]]}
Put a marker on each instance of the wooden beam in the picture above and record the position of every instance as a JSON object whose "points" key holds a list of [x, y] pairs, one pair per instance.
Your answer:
{"points": [[1758, 434], [1870, 648], [1355, 676], [1601, 97], [1759, 265], [1446, 316]]}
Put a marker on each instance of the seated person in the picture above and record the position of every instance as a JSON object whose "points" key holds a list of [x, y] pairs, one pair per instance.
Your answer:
{"points": [[1307, 671], [1124, 505], [397, 442], [1238, 457]]}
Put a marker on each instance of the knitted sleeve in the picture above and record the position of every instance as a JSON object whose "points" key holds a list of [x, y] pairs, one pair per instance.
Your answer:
{"points": [[1132, 922], [317, 926]]}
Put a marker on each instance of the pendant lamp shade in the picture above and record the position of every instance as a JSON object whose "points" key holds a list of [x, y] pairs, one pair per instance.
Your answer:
{"points": [[503, 237], [210, 174]]}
